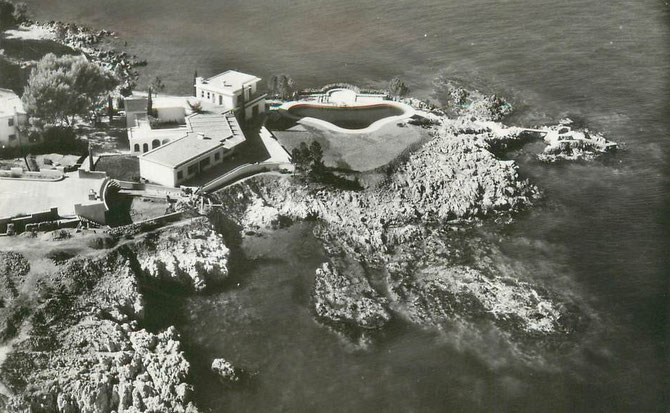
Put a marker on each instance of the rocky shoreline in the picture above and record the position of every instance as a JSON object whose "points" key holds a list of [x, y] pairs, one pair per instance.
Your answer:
{"points": [[75, 326], [85, 40], [405, 247]]}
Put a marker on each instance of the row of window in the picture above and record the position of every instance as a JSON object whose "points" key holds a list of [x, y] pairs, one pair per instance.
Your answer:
{"points": [[204, 163], [212, 96]]}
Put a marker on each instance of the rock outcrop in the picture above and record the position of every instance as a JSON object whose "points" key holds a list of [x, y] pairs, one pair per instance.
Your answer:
{"points": [[193, 255], [348, 299], [225, 370], [81, 349], [406, 228], [74, 326]]}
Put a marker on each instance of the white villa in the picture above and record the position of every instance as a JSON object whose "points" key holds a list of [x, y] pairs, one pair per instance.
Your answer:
{"points": [[170, 122], [205, 141], [176, 143], [12, 116], [234, 91]]}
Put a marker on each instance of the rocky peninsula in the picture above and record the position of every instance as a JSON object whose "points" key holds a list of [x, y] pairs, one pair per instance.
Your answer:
{"points": [[405, 246]]}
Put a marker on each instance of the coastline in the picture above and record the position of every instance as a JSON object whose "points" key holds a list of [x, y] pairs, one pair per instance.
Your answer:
{"points": [[390, 228]]}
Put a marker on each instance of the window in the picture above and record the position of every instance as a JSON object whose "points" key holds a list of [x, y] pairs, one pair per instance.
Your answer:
{"points": [[202, 93], [180, 175], [220, 100], [217, 156], [137, 147], [207, 95], [11, 122], [12, 137], [204, 163], [155, 144], [254, 111], [192, 169], [145, 147]]}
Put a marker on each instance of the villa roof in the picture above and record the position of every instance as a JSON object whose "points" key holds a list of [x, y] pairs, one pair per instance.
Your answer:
{"points": [[205, 133], [231, 80], [10, 102]]}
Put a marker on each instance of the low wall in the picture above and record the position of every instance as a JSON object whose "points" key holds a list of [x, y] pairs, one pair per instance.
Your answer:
{"points": [[20, 222], [147, 225], [43, 175], [247, 170], [92, 174], [140, 186]]}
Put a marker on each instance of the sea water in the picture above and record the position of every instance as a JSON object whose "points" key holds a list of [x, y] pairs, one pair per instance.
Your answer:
{"points": [[600, 234]]}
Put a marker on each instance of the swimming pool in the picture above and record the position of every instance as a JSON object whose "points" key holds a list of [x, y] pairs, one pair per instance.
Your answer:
{"points": [[352, 118]]}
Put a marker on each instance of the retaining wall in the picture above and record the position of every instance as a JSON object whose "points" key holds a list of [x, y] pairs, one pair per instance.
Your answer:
{"points": [[246, 170], [34, 218]]}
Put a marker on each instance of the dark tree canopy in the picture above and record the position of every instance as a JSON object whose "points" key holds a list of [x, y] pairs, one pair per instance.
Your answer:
{"points": [[308, 157], [157, 84], [12, 14], [61, 88], [281, 86], [398, 88]]}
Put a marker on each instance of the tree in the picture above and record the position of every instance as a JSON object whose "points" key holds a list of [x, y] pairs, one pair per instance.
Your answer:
{"points": [[398, 88], [301, 156], [157, 84], [150, 103], [21, 13], [6, 15], [61, 88], [316, 155], [12, 14], [281, 86], [308, 157]]}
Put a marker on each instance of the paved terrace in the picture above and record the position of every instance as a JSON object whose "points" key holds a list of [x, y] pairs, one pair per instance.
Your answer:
{"points": [[20, 196]]}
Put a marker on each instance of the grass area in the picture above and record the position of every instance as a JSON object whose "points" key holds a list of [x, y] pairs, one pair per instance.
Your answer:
{"points": [[356, 152], [121, 167]]}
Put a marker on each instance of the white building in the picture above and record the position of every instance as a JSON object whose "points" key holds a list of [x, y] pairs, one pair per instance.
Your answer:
{"points": [[206, 140], [169, 121], [234, 91], [12, 116]]}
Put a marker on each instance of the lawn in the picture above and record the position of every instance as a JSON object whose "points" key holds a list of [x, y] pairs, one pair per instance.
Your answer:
{"points": [[121, 167], [356, 152]]}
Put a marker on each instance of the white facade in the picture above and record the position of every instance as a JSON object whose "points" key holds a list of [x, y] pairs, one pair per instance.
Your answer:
{"points": [[234, 91], [174, 176], [12, 116], [141, 136]]}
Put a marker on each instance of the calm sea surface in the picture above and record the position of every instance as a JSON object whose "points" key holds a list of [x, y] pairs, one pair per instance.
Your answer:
{"points": [[601, 235]]}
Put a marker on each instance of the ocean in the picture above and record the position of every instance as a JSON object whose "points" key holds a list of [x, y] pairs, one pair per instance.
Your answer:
{"points": [[601, 232]]}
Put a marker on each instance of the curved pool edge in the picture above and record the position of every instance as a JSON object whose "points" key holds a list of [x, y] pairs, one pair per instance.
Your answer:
{"points": [[374, 126]]}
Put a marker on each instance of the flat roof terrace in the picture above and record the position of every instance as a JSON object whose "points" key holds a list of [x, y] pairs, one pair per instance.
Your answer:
{"points": [[205, 133]]}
